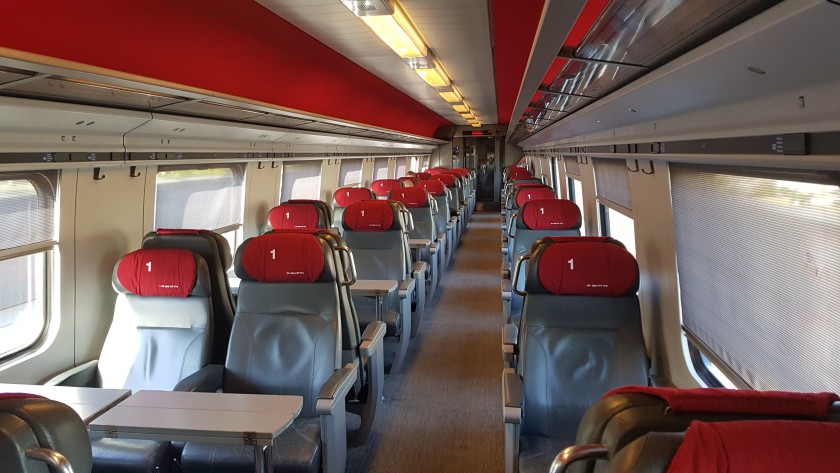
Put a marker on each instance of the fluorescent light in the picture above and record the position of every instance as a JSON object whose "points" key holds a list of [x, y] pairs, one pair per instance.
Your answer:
{"points": [[398, 33], [468, 115], [476, 125], [461, 107], [434, 75], [452, 95]]}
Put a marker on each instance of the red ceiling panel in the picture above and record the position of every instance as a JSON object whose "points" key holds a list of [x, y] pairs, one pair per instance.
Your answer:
{"points": [[515, 25], [233, 47]]}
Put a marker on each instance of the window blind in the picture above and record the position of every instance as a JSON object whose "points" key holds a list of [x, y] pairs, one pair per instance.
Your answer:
{"points": [[301, 180], [350, 173], [380, 169], [208, 198], [27, 208], [401, 167], [572, 166], [611, 181]]}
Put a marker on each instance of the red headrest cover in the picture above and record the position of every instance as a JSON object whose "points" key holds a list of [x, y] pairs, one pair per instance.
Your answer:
{"points": [[290, 216], [424, 176], [383, 186], [411, 197], [369, 216], [588, 268], [447, 179], [740, 401], [433, 171], [578, 239], [464, 172], [550, 214], [179, 231], [537, 193], [758, 446], [434, 186], [518, 173], [348, 195], [158, 272], [283, 257], [517, 185]]}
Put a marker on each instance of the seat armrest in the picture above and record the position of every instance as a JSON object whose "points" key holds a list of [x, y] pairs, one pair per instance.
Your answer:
{"points": [[568, 455], [335, 389], [510, 344], [407, 288], [85, 375], [504, 249], [372, 338], [420, 268], [208, 379], [433, 248], [513, 394], [507, 289]]}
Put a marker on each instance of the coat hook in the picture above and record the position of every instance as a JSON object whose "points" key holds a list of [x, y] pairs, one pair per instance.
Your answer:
{"points": [[132, 172], [651, 169], [96, 174], [260, 165], [636, 161], [275, 165]]}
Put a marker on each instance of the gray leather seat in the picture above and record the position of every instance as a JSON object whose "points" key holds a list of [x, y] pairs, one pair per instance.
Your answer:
{"points": [[536, 219], [286, 339], [37, 432], [523, 193], [580, 336], [423, 209], [625, 414], [215, 251], [382, 187], [454, 206], [443, 226], [346, 196], [298, 215], [375, 232], [161, 333]]}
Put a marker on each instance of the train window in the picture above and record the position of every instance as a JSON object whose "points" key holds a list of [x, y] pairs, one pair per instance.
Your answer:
{"points": [[424, 162], [611, 181], [572, 165], [576, 196], [401, 167], [619, 226], [414, 164], [757, 262], [206, 197], [380, 169], [27, 237], [301, 180], [350, 174]]}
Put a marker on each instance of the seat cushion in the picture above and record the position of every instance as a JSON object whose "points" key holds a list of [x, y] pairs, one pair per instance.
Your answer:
{"points": [[392, 319], [536, 452], [296, 450], [130, 456]]}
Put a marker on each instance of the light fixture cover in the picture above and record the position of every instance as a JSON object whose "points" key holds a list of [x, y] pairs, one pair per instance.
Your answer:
{"points": [[388, 21], [434, 76], [461, 107], [451, 95], [467, 115], [475, 125]]}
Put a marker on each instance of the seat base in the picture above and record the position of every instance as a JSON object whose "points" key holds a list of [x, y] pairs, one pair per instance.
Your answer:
{"points": [[131, 456], [536, 453]]}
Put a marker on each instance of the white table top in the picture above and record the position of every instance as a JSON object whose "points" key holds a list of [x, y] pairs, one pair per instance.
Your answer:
{"points": [[87, 402], [373, 287], [419, 242], [241, 419]]}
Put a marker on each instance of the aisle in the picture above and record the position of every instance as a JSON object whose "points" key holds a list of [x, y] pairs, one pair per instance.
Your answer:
{"points": [[444, 412]]}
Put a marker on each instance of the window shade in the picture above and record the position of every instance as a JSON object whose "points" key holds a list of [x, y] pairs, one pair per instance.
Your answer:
{"points": [[758, 270], [572, 166], [380, 169], [27, 208], [401, 167], [424, 162], [611, 181], [350, 173], [301, 180], [208, 198]]}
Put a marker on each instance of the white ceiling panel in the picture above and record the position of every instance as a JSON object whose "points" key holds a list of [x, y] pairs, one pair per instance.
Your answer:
{"points": [[457, 32]]}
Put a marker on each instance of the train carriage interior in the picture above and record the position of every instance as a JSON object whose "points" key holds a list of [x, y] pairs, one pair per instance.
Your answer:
{"points": [[401, 236]]}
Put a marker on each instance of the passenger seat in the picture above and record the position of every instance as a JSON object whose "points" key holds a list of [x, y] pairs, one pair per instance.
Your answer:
{"points": [[345, 196], [383, 187], [423, 208]]}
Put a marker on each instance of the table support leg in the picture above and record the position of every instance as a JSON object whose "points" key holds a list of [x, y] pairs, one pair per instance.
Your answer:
{"points": [[264, 460]]}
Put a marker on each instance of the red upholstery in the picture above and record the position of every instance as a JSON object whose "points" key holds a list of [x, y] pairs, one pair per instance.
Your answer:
{"points": [[731, 401], [463, 172], [424, 176], [759, 447], [550, 214], [382, 187], [578, 239], [518, 173], [588, 268], [537, 193], [447, 179], [411, 197], [435, 187], [283, 257], [433, 171], [348, 195], [413, 179], [288, 216], [369, 216], [179, 231], [158, 272]]}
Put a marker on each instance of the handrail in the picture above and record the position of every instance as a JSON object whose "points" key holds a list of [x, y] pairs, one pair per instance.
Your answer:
{"points": [[351, 279]]}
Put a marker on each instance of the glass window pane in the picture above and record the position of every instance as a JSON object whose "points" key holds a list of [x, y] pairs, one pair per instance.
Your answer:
{"points": [[200, 198], [576, 196], [622, 229], [301, 180], [380, 169], [22, 302], [401, 167]]}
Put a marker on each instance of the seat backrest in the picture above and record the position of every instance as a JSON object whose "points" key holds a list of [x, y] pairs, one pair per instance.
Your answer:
{"points": [[286, 334], [324, 207], [375, 232], [439, 193], [382, 187], [408, 181], [424, 176], [580, 333], [297, 215], [216, 253], [525, 193], [514, 173], [346, 196], [422, 206], [541, 218], [29, 421], [162, 327]]}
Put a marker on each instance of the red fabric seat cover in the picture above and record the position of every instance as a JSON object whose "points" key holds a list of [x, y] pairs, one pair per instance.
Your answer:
{"points": [[411, 197], [348, 195], [289, 216], [382, 187], [526, 194], [551, 214], [589, 269], [369, 216], [447, 179], [284, 257], [158, 272], [424, 176], [434, 186]]}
